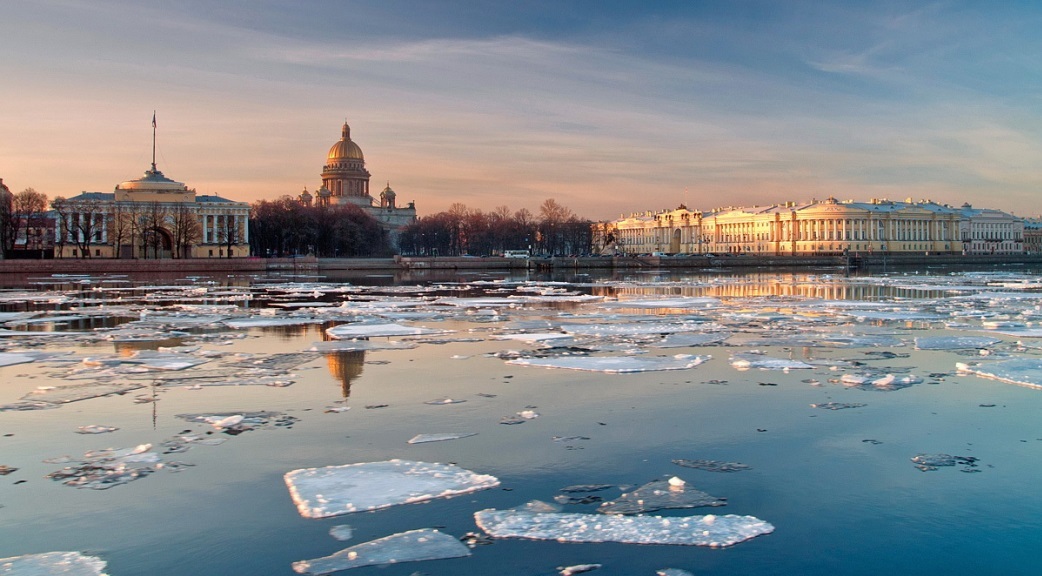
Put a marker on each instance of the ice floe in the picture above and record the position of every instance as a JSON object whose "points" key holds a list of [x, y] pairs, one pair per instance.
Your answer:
{"points": [[53, 563], [1022, 371], [348, 331], [411, 546], [752, 360], [335, 490], [439, 437], [711, 465], [954, 342], [709, 530], [660, 495], [614, 364]]}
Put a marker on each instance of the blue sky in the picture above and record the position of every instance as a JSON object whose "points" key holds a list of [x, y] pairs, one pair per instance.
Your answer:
{"points": [[608, 107]]}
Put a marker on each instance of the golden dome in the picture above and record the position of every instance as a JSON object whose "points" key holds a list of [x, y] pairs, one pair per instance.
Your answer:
{"points": [[345, 149]]}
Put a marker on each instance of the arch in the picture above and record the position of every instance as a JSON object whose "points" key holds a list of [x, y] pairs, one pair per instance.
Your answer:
{"points": [[674, 242], [157, 243]]}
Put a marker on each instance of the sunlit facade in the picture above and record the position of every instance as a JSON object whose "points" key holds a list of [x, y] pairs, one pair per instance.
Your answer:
{"points": [[151, 217], [345, 180], [827, 227]]}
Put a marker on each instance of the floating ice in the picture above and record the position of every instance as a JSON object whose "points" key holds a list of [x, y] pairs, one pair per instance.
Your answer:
{"points": [[660, 495], [930, 462], [838, 405], [1023, 371], [412, 546], [235, 423], [876, 382], [954, 342], [751, 360], [686, 340], [539, 337], [577, 569], [672, 572], [334, 490], [677, 303], [711, 465], [348, 331], [76, 392], [260, 322], [708, 530], [633, 328], [614, 364], [439, 437], [52, 563], [341, 532], [11, 359], [95, 429], [354, 345], [104, 469]]}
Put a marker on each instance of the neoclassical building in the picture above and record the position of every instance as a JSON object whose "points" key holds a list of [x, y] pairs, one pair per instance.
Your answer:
{"points": [[826, 227], [151, 217], [345, 180]]}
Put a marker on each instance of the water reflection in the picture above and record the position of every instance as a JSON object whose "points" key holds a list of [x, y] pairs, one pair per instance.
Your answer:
{"points": [[346, 367], [128, 348]]}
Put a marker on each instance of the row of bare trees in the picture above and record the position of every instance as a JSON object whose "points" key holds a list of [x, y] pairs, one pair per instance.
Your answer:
{"points": [[23, 221], [285, 227], [461, 231]]}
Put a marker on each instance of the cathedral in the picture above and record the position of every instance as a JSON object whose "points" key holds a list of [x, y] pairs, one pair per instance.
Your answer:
{"points": [[346, 181]]}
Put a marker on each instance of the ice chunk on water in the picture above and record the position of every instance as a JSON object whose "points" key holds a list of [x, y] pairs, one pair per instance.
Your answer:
{"points": [[660, 495], [334, 490], [95, 429], [76, 392], [438, 437], [11, 358], [47, 563], [672, 572], [577, 569], [614, 364], [1023, 371], [355, 345], [708, 530], [711, 465], [412, 546], [341, 532], [954, 342], [632, 328], [750, 360], [348, 331]]}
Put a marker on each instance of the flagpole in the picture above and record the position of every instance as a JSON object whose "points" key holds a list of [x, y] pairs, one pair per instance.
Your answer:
{"points": [[153, 140]]}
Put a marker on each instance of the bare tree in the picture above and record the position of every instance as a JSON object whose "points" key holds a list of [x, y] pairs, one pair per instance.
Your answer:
{"points": [[63, 228], [7, 227], [121, 227], [186, 229], [152, 231], [229, 233], [87, 224]]}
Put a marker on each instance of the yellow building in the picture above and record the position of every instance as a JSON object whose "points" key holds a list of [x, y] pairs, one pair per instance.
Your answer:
{"points": [[827, 227], [151, 217]]}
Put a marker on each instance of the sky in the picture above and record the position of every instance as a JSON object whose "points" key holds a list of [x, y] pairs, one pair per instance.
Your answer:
{"points": [[609, 108]]}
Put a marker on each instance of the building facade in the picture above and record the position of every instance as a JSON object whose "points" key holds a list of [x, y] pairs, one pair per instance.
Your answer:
{"points": [[151, 217], [345, 180], [827, 227]]}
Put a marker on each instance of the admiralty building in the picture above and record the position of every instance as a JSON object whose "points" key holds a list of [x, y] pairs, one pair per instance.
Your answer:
{"points": [[826, 227]]}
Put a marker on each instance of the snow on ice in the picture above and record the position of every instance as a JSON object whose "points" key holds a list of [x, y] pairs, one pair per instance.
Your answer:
{"points": [[411, 546], [709, 530], [335, 490]]}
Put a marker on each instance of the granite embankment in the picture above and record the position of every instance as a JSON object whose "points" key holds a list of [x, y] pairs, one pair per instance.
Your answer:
{"points": [[310, 265]]}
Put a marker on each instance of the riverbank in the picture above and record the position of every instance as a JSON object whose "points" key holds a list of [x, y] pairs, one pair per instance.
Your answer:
{"points": [[310, 265]]}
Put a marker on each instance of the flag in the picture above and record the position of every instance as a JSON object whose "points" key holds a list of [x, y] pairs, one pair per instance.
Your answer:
{"points": [[153, 119]]}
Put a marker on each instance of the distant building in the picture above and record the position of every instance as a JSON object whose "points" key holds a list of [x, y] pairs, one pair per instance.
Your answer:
{"points": [[827, 227], [151, 217], [346, 181]]}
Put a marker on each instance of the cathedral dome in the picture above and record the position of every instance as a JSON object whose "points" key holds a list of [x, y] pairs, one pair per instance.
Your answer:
{"points": [[345, 149]]}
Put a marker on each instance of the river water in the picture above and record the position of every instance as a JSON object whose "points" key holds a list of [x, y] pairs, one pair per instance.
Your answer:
{"points": [[819, 388]]}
